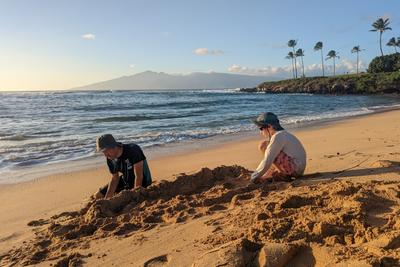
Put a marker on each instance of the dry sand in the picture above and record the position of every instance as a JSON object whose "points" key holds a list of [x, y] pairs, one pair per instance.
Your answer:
{"points": [[344, 212]]}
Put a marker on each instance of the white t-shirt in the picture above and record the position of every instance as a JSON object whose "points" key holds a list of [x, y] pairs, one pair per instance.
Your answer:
{"points": [[287, 143]]}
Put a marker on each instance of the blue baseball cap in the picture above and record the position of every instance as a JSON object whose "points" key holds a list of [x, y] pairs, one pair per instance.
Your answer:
{"points": [[267, 118]]}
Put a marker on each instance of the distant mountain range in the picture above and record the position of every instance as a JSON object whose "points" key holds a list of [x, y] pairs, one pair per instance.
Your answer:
{"points": [[160, 80]]}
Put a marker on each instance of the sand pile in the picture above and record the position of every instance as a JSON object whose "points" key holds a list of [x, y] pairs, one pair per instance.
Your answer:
{"points": [[346, 221], [187, 197], [265, 225]]}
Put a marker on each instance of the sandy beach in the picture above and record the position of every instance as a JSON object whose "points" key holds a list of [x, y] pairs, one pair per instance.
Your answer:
{"points": [[202, 212]]}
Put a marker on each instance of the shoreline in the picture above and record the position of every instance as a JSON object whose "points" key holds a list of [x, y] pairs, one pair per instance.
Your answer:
{"points": [[33, 173]]}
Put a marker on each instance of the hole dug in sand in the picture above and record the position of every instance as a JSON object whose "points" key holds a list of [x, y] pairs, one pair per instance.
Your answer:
{"points": [[240, 252], [158, 261]]}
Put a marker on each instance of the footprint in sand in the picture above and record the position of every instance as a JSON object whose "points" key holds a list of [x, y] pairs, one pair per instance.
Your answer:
{"points": [[158, 261]]}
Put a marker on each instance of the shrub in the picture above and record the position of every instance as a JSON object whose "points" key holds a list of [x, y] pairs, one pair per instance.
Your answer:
{"points": [[388, 63]]}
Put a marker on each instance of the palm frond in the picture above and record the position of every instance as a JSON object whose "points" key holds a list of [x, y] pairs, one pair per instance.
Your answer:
{"points": [[318, 46]]}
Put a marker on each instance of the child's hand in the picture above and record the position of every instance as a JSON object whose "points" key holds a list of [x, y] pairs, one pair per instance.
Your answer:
{"points": [[262, 146]]}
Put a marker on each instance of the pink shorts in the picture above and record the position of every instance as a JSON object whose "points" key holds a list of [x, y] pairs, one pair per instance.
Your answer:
{"points": [[283, 168]]}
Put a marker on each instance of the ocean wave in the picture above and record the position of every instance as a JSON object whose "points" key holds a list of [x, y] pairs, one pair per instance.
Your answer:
{"points": [[146, 117], [174, 136], [324, 116], [152, 138], [33, 135], [16, 137], [221, 91], [300, 94], [184, 104], [108, 107], [44, 133], [382, 107], [123, 118]]}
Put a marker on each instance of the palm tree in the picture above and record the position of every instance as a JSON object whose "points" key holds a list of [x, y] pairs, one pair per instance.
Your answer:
{"points": [[381, 25], [357, 50], [318, 46], [292, 44], [398, 43], [300, 53], [291, 56], [332, 55], [393, 42]]}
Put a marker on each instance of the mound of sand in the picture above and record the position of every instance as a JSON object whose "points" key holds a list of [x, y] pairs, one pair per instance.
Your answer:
{"points": [[263, 225]]}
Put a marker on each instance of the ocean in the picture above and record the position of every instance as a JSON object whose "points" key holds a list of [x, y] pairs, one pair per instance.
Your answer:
{"points": [[38, 128]]}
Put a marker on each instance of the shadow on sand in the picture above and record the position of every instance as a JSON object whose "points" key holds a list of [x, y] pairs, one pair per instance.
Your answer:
{"points": [[378, 167]]}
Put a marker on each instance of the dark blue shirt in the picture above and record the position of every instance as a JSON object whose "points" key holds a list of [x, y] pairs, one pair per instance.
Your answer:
{"points": [[131, 154]]}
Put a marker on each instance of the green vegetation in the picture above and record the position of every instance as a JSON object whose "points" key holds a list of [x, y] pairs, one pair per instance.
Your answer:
{"points": [[383, 76], [394, 43], [388, 63], [364, 83]]}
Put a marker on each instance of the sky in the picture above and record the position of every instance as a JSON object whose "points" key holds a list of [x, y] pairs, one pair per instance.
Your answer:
{"points": [[57, 44]]}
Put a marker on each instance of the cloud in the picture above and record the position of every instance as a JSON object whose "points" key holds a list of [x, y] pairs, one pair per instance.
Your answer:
{"points": [[265, 71], [206, 52], [132, 66], [88, 36], [342, 66]]}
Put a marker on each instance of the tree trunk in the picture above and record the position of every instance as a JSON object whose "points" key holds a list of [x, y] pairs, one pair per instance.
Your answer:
{"points": [[295, 62], [322, 60], [302, 64], [357, 62], [380, 42], [334, 70], [293, 68]]}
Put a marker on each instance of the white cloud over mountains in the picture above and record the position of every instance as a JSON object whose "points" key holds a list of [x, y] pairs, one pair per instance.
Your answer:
{"points": [[206, 52], [342, 66], [267, 71]]}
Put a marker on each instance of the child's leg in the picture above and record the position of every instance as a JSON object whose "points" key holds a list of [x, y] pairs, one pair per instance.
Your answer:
{"points": [[281, 170], [285, 164]]}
